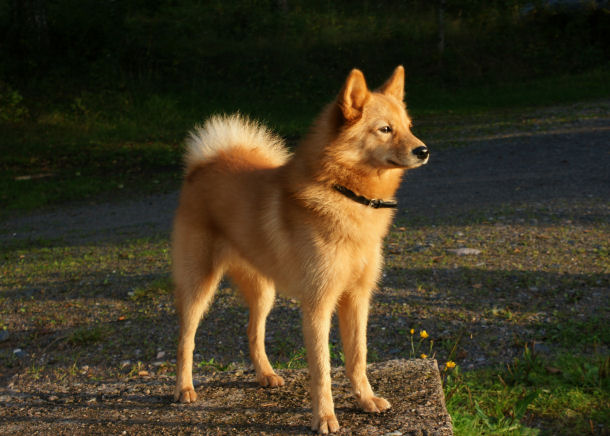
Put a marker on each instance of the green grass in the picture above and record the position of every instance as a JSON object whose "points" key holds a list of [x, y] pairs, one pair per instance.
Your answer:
{"points": [[566, 396], [152, 290], [551, 90], [87, 335]]}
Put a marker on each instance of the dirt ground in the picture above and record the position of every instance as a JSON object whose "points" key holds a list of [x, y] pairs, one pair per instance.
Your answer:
{"points": [[488, 186]]}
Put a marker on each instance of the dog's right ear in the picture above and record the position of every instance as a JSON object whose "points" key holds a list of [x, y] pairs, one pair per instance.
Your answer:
{"points": [[353, 96]]}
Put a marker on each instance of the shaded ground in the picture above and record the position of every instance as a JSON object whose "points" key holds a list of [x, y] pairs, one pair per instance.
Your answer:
{"points": [[84, 291]]}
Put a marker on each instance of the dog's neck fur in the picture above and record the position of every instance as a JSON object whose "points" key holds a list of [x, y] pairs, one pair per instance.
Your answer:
{"points": [[318, 159]]}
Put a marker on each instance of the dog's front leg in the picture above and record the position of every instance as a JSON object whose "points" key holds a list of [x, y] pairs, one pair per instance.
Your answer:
{"points": [[353, 314], [316, 327]]}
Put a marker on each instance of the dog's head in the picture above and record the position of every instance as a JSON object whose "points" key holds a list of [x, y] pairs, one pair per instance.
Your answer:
{"points": [[376, 125]]}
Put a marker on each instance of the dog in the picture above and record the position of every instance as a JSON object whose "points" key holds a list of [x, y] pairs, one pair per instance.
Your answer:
{"points": [[309, 224]]}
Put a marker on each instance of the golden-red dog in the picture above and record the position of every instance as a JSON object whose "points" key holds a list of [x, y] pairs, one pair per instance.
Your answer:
{"points": [[310, 224]]}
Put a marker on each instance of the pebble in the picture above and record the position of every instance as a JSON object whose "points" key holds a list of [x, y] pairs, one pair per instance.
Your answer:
{"points": [[464, 251], [18, 352], [160, 354]]}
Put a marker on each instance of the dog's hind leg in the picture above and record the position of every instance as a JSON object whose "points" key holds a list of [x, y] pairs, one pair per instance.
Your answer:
{"points": [[259, 293], [196, 278], [191, 305]]}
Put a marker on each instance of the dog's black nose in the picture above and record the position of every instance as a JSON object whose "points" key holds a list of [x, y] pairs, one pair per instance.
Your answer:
{"points": [[421, 152]]}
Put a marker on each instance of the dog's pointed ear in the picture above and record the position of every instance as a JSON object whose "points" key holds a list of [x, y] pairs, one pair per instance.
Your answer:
{"points": [[395, 85], [353, 95]]}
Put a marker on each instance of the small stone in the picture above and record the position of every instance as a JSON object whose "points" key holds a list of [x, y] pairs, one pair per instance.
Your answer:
{"points": [[19, 353], [160, 355], [53, 398], [464, 251]]}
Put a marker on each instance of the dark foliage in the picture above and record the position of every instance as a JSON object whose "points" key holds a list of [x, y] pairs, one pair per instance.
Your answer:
{"points": [[259, 42]]}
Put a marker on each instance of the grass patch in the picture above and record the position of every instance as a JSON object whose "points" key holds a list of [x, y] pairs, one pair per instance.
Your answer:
{"points": [[579, 335], [592, 85], [88, 335], [155, 289], [568, 395], [213, 365]]}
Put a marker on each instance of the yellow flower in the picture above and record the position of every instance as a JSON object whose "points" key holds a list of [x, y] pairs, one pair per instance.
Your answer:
{"points": [[423, 356], [423, 334], [412, 331], [450, 364]]}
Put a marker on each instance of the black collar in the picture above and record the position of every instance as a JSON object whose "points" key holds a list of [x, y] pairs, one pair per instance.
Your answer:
{"points": [[374, 203]]}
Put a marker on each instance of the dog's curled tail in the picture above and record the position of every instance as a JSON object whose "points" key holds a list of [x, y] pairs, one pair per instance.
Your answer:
{"points": [[222, 132]]}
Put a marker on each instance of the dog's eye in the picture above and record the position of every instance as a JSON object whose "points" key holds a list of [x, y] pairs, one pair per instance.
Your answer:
{"points": [[386, 129]]}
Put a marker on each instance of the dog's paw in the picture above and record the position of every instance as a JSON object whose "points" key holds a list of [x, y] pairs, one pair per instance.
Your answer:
{"points": [[270, 380], [186, 395], [374, 404], [325, 424]]}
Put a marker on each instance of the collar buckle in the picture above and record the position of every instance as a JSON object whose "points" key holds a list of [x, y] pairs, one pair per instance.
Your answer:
{"points": [[375, 203]]}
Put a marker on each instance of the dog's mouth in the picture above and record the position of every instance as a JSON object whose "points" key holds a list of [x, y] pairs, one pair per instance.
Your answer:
{"points": [[406, 166]]}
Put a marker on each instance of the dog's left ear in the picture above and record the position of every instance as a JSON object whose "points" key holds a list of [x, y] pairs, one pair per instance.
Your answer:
{"points": [[395, 85]]}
